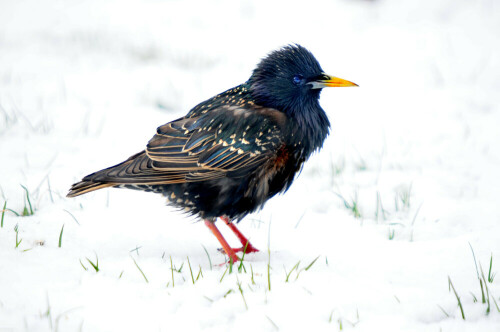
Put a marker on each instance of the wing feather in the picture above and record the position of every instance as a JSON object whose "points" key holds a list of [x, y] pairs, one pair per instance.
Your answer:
{"points": [[228, 141]]}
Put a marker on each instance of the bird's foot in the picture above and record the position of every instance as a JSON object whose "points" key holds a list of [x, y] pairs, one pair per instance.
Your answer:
{"points": [[247, 249]]}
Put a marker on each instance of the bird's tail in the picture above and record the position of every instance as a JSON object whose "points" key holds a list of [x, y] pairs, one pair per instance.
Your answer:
{"points": [[84, 187], [112, 176]]}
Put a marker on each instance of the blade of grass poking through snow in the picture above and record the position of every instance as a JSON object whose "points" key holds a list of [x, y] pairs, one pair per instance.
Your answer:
{"points": [[483, 298], [496, 304], [353, 205], [274, 324], [96, 265], [241, 266], [140, 270], [199, 274], [251, 269], [487, 290], [16, 229], [60, 236], [83, 265], [309, 266], [241, 292], [190, 270], [209, 260], [444, 312], [491, 276], [450, 287], [3, 213], [17, 214], [269, 270], [26, 212], [227, 268], [172, 270], [296, 266], [228, 292], [72, 216]]}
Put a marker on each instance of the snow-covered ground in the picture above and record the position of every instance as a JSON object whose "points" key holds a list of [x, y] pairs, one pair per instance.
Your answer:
{"points": [[406, 184]]}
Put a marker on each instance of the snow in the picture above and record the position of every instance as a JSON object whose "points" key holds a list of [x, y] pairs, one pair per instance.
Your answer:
{"points": [[84, 84]]}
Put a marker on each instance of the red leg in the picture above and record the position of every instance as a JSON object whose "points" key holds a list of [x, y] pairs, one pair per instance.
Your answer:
{"points": [[247, 246], [229, 251]]}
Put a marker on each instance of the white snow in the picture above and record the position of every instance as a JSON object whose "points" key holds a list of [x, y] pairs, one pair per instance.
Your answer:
{"points": [[84, 84]]}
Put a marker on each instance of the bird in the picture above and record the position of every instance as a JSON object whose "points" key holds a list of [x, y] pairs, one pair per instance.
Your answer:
{"points": [[233, 152]]}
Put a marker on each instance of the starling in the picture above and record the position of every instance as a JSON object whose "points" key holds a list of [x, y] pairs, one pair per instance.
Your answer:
{"points": [[233, 152]]}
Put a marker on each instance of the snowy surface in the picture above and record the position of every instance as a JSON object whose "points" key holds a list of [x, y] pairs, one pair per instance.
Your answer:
{"points": [[84, 84]]}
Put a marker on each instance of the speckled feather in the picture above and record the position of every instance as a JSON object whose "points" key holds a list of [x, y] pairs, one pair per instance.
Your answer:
{"points": [[233, 152]]}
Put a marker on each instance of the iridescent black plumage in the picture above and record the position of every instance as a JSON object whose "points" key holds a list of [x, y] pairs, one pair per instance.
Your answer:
{"points": [[233, 152]]}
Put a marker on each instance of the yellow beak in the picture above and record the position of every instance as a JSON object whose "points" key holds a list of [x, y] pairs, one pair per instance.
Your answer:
{"points": [[330, 81]]}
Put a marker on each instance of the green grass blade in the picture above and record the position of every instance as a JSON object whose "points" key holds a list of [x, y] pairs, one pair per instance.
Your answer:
{"points": [[17, 214], [209, 260], [31, 212], [296, 266], [3, 213], [83, 265], [241, 292], [140, 270], [172, 269], [314, 261], [227, 268], [269, 270], [491, 276], [60, 236], [94, 265], [450, 285], [190, 270], [72, 216]]}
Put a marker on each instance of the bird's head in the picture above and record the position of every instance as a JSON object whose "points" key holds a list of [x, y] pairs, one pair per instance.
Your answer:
{"points": [[290, 80]]}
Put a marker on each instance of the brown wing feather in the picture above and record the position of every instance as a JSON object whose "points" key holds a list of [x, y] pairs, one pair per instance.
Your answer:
{"points": [[197, 149]]}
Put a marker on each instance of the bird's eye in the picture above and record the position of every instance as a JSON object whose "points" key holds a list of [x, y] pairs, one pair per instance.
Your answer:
{"points": [[298, 79]]}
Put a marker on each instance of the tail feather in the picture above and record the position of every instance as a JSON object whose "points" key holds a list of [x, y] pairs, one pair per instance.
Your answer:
{"points": [[84, 187], [111, 176]]}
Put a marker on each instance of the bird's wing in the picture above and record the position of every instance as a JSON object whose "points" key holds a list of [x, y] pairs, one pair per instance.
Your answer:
{"points": [[228, 141]]}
